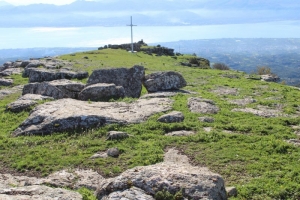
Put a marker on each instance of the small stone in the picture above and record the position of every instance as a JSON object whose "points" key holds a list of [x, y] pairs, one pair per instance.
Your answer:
{"points": [[99, 155], [172, 117], [115, 135], [180, 133], [206, 119], [113, 152], [231, 191]]}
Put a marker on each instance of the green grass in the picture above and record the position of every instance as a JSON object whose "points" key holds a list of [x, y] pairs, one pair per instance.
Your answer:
{"points": [[254, 157]]}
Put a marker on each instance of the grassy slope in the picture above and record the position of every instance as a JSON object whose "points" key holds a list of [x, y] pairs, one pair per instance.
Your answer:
{"points": [[255, 158]]}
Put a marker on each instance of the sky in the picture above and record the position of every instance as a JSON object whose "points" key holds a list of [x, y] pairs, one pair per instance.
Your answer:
{"points": [[27, 2]]}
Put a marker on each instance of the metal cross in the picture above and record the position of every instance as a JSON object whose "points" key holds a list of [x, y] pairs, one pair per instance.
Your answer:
{"points": [[131, 25]]}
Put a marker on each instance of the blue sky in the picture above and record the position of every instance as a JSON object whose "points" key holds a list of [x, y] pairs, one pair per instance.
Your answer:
{"points": [[27, 2]]}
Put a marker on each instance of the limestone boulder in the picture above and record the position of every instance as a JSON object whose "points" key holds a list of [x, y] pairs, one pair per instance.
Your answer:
{"points": [[270, 78], [9, 91], [162, 81], [116, 135], [173, 175], [35, 97], [70, 114], [132, 193], [204, 106], [172, 117], [129, 79], [41, 74], [102, 92], [57, 89], [6, 82]]}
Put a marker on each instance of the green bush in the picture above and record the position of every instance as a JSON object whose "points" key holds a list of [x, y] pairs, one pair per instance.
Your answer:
{"points": [[220, 66]]}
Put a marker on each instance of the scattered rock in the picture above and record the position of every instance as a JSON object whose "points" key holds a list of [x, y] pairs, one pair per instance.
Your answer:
{"points": [[207, 129], [130, 79], [20, 105], [270, 78], [199, 105], [175, 174], [206, 119], [11, 71], [116, 135], [242, 102], [6, 82], [113, 152], [162, 81], [294, 142], [262, 112], [172, 117], [231, 192], [180, 133], [102, 92], [69, 114], [226, 91], [57, 89], [99, 155]]}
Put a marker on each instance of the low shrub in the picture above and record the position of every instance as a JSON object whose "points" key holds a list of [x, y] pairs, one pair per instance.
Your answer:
{"points": [[220, 66]]}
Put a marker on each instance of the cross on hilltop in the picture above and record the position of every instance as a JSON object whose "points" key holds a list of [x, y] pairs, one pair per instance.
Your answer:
{"points": [[131, 25]]}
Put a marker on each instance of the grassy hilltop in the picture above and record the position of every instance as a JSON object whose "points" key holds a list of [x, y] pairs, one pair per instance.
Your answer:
{"points": [[248, 151]]}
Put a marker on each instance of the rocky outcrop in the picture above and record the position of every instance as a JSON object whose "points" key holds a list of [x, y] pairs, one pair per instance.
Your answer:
{"points": [[129, 79], [41, 74], [10, 71], [25, 102], [102, 92], [57, 89], [270, 78], [174, 175], [6, 82], [162, 81], [172, 117], [69, 114], [204, 106], [8, 91], [38, 192]]}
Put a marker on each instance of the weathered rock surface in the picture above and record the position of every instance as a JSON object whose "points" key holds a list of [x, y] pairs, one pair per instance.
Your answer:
{"points": [[231, 191], [162, 81], [38, 192], [172, 117], [11, 71], [226, 91], [132, 193], [20, 105], [6, 82], [102, 92], [180, 133], [206, 119], [6, 92], [57, 89], [261, 112], [41, 74], [74, 179], [116, 135], [294, 142], [163, 94], [175, 174], [270, 78], [69, 114], [199, 105], [35, 97], [130, 79], [242, 102]]}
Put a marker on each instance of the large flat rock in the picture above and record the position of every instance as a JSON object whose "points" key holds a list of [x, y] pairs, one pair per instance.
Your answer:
{"points": [[175, 174], [70, 114]]}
